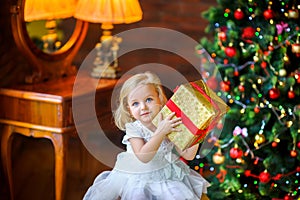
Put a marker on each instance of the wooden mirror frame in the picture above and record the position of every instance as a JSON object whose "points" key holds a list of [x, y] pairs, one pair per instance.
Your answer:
{"points": [[45, 66]]}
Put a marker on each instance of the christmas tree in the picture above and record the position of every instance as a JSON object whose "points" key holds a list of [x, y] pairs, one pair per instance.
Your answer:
{"points": [[256, 49]]}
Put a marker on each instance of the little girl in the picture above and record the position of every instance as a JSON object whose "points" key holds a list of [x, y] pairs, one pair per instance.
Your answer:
{"points": [[150, 169]]}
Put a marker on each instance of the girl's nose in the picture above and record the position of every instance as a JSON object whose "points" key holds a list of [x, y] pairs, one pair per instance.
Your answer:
{"points": [[143, 106]]}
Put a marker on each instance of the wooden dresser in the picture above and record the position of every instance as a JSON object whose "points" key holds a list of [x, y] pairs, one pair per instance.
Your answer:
{"points": [[44, 110]]}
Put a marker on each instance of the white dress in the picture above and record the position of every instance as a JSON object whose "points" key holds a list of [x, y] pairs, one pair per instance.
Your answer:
{"points": [[165, 177]]}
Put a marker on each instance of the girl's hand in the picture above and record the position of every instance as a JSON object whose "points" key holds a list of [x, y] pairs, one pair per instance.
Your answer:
{"points": [[167, 125], [189, 153], [145, 151]]}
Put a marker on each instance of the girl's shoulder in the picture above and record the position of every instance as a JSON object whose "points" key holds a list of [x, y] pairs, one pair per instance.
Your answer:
{"points": [[138, 129], [131, 127]]}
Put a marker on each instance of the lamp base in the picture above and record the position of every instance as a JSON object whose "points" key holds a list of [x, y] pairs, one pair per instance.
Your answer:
{"points": [[106, 72], [106, 60]]}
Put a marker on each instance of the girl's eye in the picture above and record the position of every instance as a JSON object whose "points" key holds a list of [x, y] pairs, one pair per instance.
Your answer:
{"points": [[148, 100], [135, 104]]}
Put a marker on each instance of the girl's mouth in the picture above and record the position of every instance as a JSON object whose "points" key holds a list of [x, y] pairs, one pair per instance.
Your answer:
{"points": [[146, 113]]}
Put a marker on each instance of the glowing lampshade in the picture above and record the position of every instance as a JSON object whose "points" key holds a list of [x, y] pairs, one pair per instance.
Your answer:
{"points": [[108, 12], [48, 9]]}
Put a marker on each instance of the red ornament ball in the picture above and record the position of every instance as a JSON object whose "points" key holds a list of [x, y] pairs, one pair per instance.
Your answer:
{"points": [[264, 177], [298, 145], [248, 32], [256, 109], [247, 173], [230, 51], [291, 94], [274, 144], [294, 153], [225, 61], [236, 73], [222, 36], [238, 14], [241, 88], [274, 93], [297, 76], [264, 64], [268, 14], [271, 48], [288, 197], [235, 153], [225, 86]]}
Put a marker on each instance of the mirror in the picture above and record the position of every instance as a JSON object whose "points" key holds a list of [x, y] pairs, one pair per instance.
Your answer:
{"points": [[46, 66], [51, 40]]}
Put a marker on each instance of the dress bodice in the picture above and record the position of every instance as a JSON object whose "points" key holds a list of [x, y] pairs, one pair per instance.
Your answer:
{"points": [[137, 129], [129, 162]]}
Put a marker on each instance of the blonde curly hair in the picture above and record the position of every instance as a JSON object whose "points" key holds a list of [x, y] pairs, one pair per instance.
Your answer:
{"points": [[122, 114]]}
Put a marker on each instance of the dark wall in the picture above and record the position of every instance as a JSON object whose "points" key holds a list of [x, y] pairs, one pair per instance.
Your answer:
{"points": [[182, 16], [12, 64], [178, 15]]}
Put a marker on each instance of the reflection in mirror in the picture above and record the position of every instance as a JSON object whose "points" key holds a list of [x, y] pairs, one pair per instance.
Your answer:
{"points": [[57, 64], [48, 14], [50, 36]]}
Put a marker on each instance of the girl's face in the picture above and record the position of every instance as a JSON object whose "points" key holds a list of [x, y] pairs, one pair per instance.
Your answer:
{"points": [[144, 103]]}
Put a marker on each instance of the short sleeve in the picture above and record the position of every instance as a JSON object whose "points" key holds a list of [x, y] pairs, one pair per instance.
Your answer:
{"points": [[131, 131]]}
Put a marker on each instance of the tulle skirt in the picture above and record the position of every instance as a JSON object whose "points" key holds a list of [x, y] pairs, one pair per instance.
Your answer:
{"points": [[174, 181]]}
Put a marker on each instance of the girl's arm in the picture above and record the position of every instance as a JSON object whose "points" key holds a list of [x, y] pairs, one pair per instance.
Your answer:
{"points": [[189, 153], [145, 151]]}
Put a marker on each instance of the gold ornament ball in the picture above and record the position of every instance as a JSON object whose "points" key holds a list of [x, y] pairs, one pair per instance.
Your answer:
{"points": [[286, 59], [260, 138], [218, 158], [293, 14], [282, 72], [296, 48]]}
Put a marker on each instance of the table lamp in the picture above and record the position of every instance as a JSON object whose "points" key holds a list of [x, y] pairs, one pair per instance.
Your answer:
{"points": [[49, 10], [108, 12]]}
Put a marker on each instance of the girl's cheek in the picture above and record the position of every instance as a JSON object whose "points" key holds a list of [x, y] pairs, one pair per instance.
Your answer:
{"points": [[135, 109]]}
